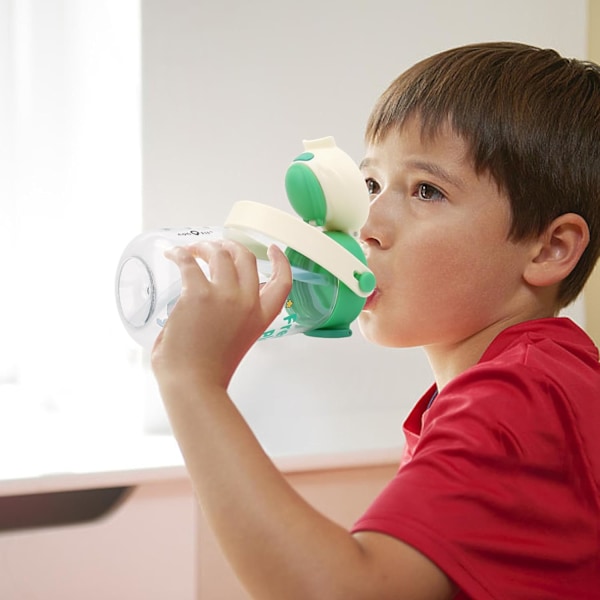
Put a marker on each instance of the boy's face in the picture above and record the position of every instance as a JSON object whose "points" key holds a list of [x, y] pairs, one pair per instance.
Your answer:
{"points": [[437, 242]]}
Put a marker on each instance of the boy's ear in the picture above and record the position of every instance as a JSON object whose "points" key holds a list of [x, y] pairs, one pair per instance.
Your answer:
{"points": [[557, 250]]}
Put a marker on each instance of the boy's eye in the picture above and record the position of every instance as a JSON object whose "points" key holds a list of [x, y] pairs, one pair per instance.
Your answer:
{"points": [[372, 186], [429, 193]]}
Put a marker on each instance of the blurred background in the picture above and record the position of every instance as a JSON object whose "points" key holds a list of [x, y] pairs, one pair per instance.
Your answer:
{"points": [[118, 116]]}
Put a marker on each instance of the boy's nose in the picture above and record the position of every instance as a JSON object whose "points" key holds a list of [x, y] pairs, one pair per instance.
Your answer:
{"points": [[372, 231], [368, 235]]}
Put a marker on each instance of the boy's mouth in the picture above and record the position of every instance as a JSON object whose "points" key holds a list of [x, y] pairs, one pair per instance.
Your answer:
{"points": [[371, 299]]}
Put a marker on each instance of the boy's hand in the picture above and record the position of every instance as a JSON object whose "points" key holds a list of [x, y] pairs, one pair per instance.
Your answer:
{"points": [[216, 321]]}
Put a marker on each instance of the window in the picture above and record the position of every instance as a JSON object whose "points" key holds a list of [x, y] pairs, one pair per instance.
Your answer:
{"points": [[70, 199]]}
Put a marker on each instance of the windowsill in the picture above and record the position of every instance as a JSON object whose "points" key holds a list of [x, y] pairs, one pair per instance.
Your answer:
{"points": [[53, 455]]}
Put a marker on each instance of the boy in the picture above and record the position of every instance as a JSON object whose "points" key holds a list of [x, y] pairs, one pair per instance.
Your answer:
{"points": [[483, 165]]}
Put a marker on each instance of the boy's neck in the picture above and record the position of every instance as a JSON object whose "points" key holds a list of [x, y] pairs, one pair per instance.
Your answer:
{"points": [[447, 361]]}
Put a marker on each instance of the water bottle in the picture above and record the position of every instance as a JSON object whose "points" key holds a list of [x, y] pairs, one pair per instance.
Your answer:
{"points": [[330, 278]]}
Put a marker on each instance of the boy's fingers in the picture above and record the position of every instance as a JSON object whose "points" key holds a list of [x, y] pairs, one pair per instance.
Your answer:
{"points": [[192, 276], [219, 261], [282, 271], [245, 262], [276, 290], [232, 264], [182, 256]]}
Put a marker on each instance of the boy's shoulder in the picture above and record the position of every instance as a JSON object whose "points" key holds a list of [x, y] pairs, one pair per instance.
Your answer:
{"points": [[549, 337], [535, 389], [562, 331], [535, 361], [549, 334]]}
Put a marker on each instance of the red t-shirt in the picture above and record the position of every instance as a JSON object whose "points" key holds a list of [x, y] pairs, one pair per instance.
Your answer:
{"points": [[499, 484]]}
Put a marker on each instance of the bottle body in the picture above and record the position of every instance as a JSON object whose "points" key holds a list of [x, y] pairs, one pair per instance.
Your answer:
{"points": [[148, 286]]}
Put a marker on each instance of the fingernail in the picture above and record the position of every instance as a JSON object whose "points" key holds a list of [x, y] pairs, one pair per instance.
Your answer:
{"points": [[173, 251]]}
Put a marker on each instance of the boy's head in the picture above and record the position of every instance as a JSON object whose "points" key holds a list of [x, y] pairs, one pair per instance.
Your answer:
{"points": [[532, 121]]}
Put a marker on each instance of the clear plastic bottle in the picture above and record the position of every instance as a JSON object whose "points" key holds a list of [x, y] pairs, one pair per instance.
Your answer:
{"points": [[148, 286]]}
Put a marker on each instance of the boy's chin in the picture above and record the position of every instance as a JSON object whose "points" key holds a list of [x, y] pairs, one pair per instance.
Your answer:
{"points": [[382, 334], [370, 329]]}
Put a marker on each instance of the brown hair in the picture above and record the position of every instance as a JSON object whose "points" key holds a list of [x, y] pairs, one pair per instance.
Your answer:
{"points": [[532, 121]]}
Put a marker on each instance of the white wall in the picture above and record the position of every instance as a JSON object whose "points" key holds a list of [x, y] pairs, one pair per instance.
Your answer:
{"points": [[230, 88]]}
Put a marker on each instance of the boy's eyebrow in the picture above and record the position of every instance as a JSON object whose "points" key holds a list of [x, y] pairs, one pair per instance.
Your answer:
{"points": [[438, 171], [429, 167]]}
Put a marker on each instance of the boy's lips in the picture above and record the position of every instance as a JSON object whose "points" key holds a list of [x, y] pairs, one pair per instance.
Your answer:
{"points": [[371, 299]]}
